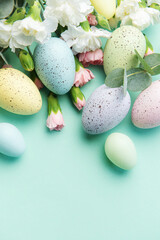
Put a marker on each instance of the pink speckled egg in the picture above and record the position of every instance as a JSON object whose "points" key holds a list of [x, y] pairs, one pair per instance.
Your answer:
{"points": [[146, 109]]}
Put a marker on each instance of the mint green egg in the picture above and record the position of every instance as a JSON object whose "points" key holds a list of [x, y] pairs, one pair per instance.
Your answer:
{"points": [[120, 48], [121, 151]]}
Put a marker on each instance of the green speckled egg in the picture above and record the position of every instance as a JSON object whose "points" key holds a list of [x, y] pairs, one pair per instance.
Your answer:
{"points": [[18, 93], [120, 48]]}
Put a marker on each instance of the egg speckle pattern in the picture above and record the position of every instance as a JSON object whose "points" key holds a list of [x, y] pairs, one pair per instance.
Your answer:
{"points": [[12, 142], [55, 65], [120, 48], [18, 93], [105, 109], [121, 151], [146, 109]]}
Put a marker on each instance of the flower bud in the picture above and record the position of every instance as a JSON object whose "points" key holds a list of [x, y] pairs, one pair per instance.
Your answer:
{"points": [[35, 12], [26, 60], [77, 97]]}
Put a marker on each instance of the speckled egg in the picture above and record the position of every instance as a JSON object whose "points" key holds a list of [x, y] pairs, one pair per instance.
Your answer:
{"points": [[146, 109], [18, 93], [120, 48], [55, 65], [105, 109], [12, 142]]}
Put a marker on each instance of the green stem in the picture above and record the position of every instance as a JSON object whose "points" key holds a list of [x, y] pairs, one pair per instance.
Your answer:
{"points": [[30, 52], [3, 57], [40, 1]]}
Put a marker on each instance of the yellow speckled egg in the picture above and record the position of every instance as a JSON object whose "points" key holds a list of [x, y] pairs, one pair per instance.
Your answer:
{"points": [[106, 8], [18, 93]]}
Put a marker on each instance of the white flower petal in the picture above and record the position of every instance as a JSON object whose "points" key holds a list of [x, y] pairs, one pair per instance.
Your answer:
{"points": [[82, 41], [5, 34], [149, 2]]}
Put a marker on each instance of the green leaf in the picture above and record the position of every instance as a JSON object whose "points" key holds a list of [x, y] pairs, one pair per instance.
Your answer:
{"points": [[30, 2], [148, 43], [153, 60], [144, 63], [6, 8], [125, 82], [138, 79], [115, 78], [21, 3]]}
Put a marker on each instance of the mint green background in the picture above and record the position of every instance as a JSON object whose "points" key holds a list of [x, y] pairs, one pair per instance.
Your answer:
{"points": [[64, 188]]}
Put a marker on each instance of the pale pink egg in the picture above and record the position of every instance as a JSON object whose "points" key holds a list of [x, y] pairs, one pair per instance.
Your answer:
{"points": [[146, 109]]}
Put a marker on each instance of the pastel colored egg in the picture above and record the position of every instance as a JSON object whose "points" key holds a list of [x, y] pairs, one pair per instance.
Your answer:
{"points": [[146, 109], [105, 109], [119, 51], [18, 93], [106, 8], [121, 151], [11, 140], [55, 65]]}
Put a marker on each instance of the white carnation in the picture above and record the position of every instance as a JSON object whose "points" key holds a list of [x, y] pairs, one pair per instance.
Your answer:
{"points": [[82, 41], [26, 31], [127, 7], [71, 12], [142, 18], [5, 33]]}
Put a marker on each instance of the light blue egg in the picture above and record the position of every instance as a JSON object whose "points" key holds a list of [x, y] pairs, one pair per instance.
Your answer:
{"points": [[55, 65], [11, 140]]}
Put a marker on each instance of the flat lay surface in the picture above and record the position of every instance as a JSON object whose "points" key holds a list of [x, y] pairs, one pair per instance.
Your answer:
{"points": [[65, 188]]}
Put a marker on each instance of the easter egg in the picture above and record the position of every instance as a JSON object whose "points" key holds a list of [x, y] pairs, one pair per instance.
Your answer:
{"points": [[55, 65], [146, 109], [121, 151], [106, 8], [105, 109], [119, 51], [18, 93], [11, 140]]}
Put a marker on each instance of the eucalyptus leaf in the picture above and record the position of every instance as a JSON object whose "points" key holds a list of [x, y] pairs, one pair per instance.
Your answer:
{"points": [[6, 8], [144, 63], [153, 60], [115, 78], [125, 82], [138, 79]]}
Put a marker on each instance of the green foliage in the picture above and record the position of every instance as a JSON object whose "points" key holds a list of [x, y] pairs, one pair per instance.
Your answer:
{"points": [[135, 79], [6, 8], [102, 21], [144, 63], [153, 60], [30, 2]]}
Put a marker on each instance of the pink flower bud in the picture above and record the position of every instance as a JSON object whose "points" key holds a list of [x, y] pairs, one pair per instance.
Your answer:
{"points": [[82, 77], [93, 57], [92, 19], [80, 103], [55, 121], [148, 52]]}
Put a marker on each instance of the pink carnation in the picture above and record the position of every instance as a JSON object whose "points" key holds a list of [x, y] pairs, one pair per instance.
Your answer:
{"points": [[55, 121], [93, 57], [92, 19], [149, 51], [7, 66], [80, 103], [82, 77]]}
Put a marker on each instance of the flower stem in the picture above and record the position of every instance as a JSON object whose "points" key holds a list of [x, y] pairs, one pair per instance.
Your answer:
{"points": [[41, 2], [3, 57], [30, 51]]}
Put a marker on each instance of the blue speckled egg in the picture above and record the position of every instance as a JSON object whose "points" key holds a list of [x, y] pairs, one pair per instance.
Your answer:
{"points": [[55, 65], [11, 140]]}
